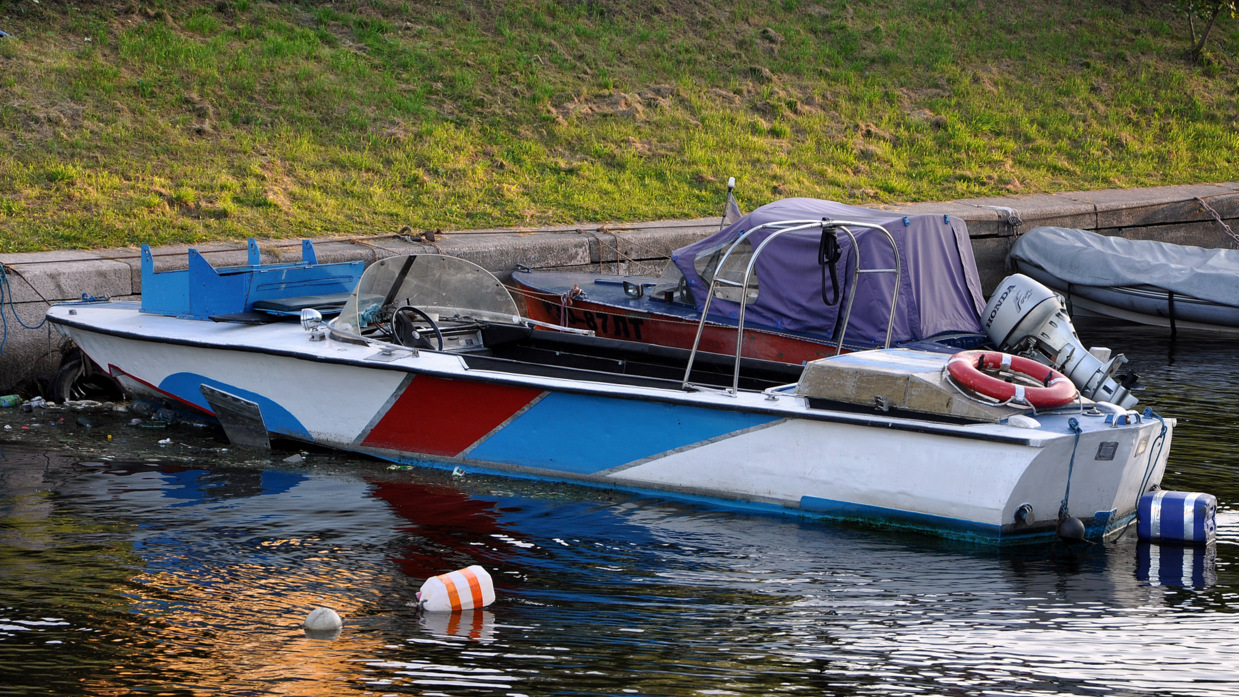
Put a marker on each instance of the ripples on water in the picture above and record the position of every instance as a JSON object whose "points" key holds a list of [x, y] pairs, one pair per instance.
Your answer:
{"points": [[187, 569]]}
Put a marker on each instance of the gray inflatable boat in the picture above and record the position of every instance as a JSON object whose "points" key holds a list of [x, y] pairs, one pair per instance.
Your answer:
{"points": [[1144, 281]]}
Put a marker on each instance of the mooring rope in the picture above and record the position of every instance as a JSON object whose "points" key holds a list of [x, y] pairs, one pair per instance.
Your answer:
{"points": [[1219, 220], [1075, 428], [6, 299], [1155, 450]]}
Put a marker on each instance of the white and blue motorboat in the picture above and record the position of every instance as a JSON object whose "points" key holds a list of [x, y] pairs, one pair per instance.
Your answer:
{"points": [[429, 362]]}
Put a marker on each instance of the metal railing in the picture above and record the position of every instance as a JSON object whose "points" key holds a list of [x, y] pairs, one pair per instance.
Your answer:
{"points": [[782, 228]]}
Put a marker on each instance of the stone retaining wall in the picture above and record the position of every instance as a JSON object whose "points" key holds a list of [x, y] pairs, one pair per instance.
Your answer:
{"points": [[1179, 214]]}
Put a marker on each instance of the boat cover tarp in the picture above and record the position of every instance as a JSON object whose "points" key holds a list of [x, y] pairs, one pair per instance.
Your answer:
{"points": [[940, 289], [1080, 257]]}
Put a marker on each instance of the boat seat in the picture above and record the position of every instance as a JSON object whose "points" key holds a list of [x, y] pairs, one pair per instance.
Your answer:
{"points": [[328, 304], [494, 334]]}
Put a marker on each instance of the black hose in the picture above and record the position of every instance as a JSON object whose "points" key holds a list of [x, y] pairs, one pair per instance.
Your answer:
{"points": [[828, 255]]}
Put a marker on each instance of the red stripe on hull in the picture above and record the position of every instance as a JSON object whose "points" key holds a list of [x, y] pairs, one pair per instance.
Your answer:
{"points": [[443, 417], [154, 391]]}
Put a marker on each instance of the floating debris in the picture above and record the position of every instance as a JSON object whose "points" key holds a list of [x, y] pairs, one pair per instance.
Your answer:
{"points": [[144, 408], [463, 589]]}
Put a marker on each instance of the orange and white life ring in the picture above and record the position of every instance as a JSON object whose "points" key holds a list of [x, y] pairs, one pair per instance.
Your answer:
{"points": [[1055, 390]]}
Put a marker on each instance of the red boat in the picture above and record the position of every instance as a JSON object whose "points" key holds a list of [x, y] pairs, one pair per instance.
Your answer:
{"points": [[598, 302], [821, 287]]}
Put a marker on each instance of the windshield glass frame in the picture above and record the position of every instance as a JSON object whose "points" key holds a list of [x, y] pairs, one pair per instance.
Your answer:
{"points": [[445, 287]]}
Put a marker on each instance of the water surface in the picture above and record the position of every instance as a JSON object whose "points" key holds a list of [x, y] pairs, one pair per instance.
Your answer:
{"points": [[127, 566]]}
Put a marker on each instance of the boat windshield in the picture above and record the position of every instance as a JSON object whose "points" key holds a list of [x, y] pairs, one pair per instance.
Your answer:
{"points": [[444, 287]]}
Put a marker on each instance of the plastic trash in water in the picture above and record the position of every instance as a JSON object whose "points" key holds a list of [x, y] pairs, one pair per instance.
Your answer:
{"points": [[463, 589], [9, 401]]}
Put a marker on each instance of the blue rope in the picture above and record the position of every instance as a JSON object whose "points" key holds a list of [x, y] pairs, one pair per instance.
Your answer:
{"points": [[6, 298], [1075, 428], [1155, 453], [1155, 450], [4, 323]]}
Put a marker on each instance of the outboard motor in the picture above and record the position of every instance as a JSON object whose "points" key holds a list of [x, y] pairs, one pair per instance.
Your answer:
{"points": [[1026, 318]]}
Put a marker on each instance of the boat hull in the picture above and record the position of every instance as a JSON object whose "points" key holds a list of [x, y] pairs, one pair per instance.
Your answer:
{"points": [[770, 451]]}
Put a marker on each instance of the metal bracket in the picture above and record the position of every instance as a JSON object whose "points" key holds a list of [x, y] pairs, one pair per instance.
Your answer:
{"points": [[241, 418]]}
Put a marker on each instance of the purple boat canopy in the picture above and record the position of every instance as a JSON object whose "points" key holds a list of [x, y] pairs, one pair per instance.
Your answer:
{"points": [[940, 290]]}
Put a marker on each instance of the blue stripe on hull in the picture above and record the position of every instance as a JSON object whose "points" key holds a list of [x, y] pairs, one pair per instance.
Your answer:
{"points": [[187, 386], [1096, 528], [586, 434], [844, 510]]}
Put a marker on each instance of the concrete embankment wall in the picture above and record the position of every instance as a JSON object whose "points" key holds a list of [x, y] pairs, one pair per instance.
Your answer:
{"points": [[1180, 214]]}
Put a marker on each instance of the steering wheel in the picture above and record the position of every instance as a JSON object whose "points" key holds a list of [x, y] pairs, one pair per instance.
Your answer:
{"points": [[404, 331]]}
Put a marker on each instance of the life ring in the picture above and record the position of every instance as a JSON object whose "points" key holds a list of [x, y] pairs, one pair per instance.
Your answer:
{"points": [[1055, 391]]}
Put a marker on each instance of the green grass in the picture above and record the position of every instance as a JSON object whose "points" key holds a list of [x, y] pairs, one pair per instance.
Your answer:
{"points": [[161, 122]]}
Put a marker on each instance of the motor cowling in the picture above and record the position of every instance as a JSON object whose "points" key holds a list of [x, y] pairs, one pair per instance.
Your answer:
{"points": [[1024, 317]]}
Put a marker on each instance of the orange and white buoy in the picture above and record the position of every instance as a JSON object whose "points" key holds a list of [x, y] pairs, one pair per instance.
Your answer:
{"points": [[463, 589]]}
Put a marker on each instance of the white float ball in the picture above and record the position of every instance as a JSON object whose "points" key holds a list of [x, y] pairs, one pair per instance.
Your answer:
{"points": [[323, 619]]}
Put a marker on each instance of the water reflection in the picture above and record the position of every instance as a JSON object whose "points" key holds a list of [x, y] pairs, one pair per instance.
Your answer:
{"points": [[192, 574], [1193, 378], [210, 573], [1175, 565]]}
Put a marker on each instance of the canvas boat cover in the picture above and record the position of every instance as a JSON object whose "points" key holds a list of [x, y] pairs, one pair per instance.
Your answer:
{"points": [[1080, 257], [940, 289]]}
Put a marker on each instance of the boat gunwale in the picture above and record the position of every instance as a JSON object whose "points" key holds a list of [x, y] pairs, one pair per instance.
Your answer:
{"points": [[669, 395]]}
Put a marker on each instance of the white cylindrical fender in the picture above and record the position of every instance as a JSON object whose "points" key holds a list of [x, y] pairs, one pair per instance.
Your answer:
{"points": [[463, 589]]}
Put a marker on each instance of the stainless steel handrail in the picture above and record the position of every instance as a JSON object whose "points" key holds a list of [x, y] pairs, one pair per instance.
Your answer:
{"points": [[705, 311], [785, 227]]}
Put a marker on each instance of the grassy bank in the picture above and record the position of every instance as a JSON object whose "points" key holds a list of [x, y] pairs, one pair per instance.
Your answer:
{"points": [[170, 121]]}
